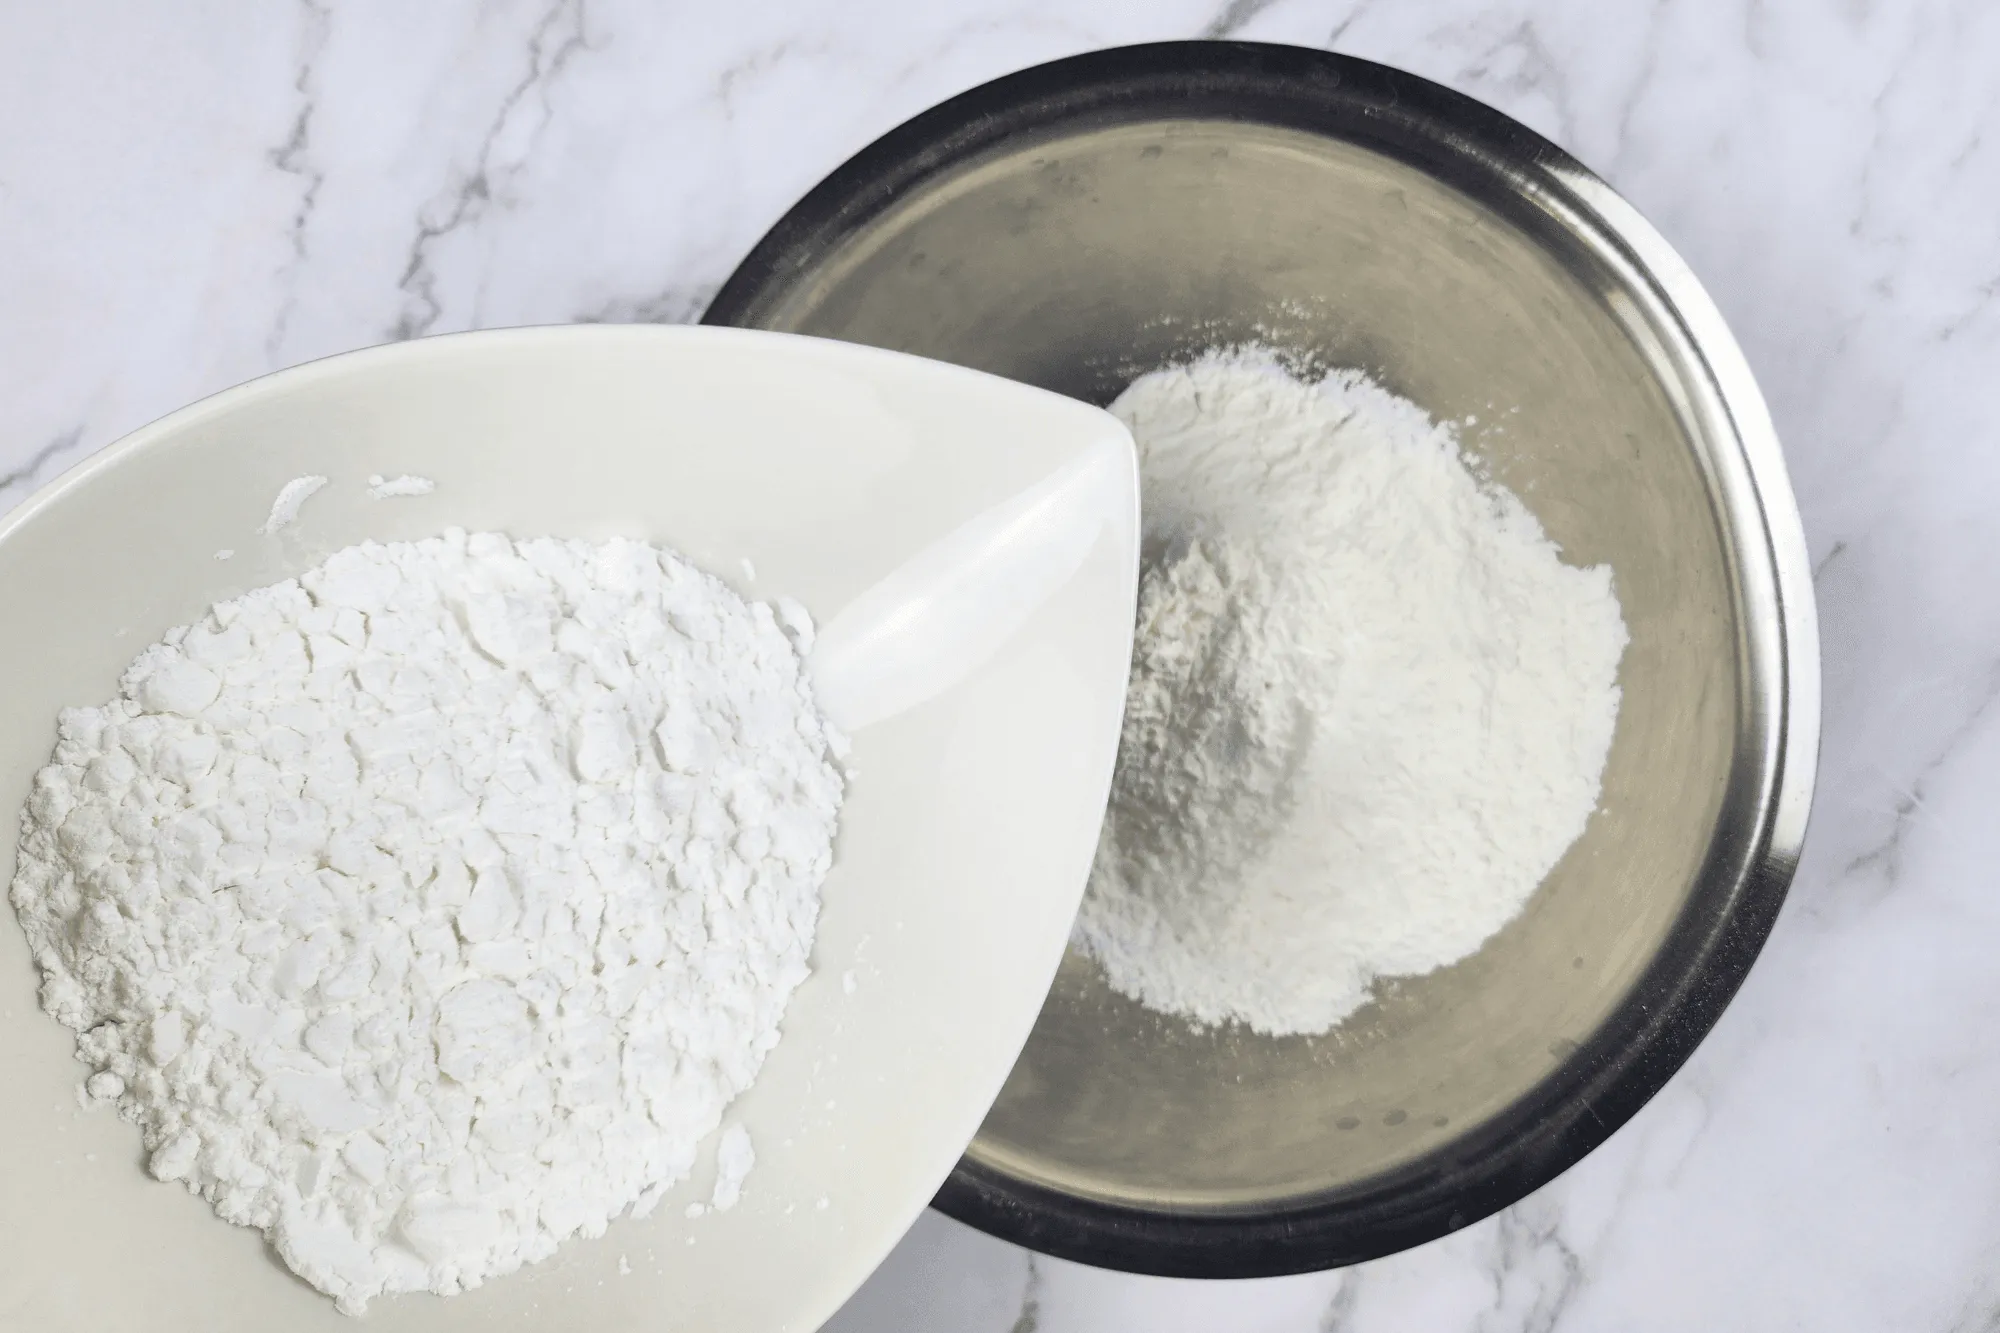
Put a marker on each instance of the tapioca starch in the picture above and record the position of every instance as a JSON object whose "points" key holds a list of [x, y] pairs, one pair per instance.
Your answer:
{"points": [[432, 907], [1370, 703]]}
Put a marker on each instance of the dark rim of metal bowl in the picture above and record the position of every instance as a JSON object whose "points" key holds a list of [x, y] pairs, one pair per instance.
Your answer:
{"points": [[1705, 957]]}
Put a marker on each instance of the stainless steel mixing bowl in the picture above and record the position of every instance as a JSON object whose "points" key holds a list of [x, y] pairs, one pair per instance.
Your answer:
{"points": [[1085, 221]]}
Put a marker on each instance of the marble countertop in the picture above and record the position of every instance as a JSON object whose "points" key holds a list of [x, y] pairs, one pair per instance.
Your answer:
{"points": [[194, 193]]}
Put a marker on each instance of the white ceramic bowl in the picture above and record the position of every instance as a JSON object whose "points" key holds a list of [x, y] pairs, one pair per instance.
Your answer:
{"points": [[963, 848]]}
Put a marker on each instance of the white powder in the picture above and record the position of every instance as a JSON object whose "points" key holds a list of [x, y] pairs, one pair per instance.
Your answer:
{"points": [[1369, 710], [388, 488], [430, 909], [292, 497], [734, 1156]]}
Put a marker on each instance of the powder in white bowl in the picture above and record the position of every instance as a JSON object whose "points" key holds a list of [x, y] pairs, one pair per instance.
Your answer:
{"points": [[430, 908]]}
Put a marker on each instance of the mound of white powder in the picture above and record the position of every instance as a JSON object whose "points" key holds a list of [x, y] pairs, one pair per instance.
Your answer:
{"points": [[1370, 705], [431, 908]]}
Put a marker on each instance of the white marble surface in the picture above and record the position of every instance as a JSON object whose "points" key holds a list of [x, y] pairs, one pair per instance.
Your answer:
{"points": [[196, 191]]}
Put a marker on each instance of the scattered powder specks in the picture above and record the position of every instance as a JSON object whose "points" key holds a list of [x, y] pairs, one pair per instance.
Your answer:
{"points": [[291, 498], [385, 488], [734, 1157]]}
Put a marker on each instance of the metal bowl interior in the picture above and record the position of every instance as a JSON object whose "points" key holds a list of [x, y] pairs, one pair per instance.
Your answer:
{"points": [[1087, 221]]}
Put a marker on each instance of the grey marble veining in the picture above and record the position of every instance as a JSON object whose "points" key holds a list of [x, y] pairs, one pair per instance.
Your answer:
{"points": [[191, 195]]}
